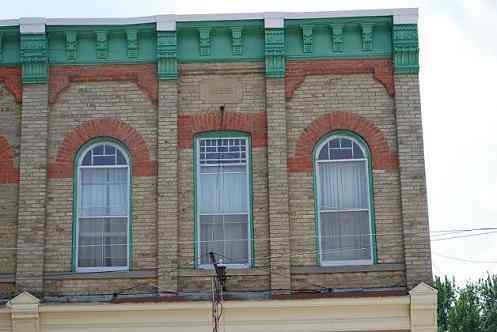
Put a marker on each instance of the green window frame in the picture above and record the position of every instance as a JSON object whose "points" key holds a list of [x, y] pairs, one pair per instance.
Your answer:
{"points": [[196, 210], [370, 198], [83, 150]]}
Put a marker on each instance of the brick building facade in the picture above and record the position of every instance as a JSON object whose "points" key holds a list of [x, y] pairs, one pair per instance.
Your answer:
{"points": [[276, 90]]}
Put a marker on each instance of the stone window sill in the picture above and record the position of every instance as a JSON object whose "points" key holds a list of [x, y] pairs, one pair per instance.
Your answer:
{"points": [[347, 269], [101, 275]]}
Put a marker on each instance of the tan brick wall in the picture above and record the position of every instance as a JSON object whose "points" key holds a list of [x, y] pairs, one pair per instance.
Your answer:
{"points": [[349, 280], [10, 115], [413, 181], [361, 95], [93, 100], [250, 75], [163, 226], [32, 188], [69, 287], [252, 81]]}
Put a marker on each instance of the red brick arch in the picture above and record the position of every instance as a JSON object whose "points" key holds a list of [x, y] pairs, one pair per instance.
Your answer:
{"points": [[383, 157], [105, 127], [9, 173], [251, 123]]}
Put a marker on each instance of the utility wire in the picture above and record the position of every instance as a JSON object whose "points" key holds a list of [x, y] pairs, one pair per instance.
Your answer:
{"points": [[267, 239], [465, 260]]}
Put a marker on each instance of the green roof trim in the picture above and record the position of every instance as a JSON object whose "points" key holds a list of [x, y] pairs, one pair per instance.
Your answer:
{"points": [[214, 41]]}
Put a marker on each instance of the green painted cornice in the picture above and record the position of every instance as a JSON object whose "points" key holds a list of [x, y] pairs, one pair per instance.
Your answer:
{"points": [[87, 45], [167, 62], [220, 41], [340, 38], [234, 40], [275, 51], [406, 49], [34, 58]]}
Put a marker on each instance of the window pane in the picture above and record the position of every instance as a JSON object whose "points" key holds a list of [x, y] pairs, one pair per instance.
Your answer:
{"points": [[120, 158], [102, 242], [345, 143], [234, 193], [93, 195], [338, 154], [358, 154], [98, 150], [226, 236], [345, 236], [211, 237], [118, 192], [87, 159], [343, 185], [104, 160]]}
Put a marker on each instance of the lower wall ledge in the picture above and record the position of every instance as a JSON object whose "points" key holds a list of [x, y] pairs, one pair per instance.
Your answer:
{"points": [[347, 269], [143, 274]]}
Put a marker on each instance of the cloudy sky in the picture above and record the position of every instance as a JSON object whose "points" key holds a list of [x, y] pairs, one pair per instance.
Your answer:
{"points": [[459, 103]]}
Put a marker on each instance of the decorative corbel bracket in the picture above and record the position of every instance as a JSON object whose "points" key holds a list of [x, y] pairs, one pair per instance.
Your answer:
{"points": [[405, 49], [71, 45], [367, 36], [236, 40], [34, 58], [307, 38], [167, 63], [337, 40], [205, 41], [274, 50], [132, 39], [102, 45]]}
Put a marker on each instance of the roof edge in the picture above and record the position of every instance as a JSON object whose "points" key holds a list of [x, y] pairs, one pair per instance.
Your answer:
{"points": [[33, 25]]}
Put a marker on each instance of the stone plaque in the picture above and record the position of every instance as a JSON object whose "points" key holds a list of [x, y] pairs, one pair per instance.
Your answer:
{"points": [[221, 91]]}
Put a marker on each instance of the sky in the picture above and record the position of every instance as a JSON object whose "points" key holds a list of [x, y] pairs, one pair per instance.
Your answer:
{"points": [[458, 59]]}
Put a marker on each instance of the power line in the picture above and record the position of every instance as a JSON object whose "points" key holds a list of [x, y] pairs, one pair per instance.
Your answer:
{"points": [[465, 260], [267, 239]]}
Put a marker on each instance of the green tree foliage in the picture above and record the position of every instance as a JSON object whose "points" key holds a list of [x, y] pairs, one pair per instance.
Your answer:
{"points": [[464, 316], [472, 308], [488, 293], [446, 296]]}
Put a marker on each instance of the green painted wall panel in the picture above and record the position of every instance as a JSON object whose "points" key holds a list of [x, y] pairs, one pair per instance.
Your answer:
{"points": [[220, 41], [352, 39], [10, 46]]}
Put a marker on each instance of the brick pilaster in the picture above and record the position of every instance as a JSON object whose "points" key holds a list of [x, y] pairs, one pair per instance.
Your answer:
{"points": [[413, 180], [279, 229], [167, 203], [32, 188]]}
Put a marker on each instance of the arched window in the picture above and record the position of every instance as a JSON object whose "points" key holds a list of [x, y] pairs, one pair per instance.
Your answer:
{"points": [[343, 201], [102, 208], [223, 198]]}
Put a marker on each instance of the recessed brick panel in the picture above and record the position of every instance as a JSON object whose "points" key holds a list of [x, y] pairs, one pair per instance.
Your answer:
{"points": [[143, 75], [381, 69]]}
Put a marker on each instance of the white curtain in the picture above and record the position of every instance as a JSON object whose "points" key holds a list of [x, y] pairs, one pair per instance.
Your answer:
{"points": [[344, 233], [102, 238], [223, 207], [343, 185]]}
